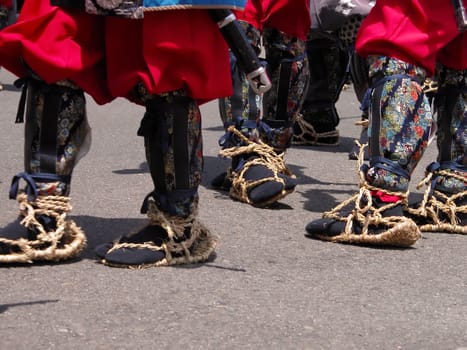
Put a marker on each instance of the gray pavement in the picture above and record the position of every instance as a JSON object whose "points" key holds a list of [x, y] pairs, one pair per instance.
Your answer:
{"points": [[269, 287]]}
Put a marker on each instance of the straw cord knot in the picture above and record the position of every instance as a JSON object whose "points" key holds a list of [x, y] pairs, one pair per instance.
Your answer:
{"points": [[187, 241], [309, 136], [364, 211], [261, 154], [59, 241], [441, 209]]}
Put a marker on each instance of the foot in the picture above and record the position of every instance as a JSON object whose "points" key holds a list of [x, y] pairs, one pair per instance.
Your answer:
{"points": [[444, 206], [260, 176], [367, 226], [47, 223], [267, 191], [441, 213], [141, 248], [127, 256], [264, 192], [314, 134]]}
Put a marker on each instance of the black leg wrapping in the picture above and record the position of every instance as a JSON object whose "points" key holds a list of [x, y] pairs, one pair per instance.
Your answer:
{"points": [[55, 121], [172, 135], [175, 165], [57, 133], [328, 72]]}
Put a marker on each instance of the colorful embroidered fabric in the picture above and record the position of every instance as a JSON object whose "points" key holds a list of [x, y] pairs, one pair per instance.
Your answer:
{"points": [[136, 8]]}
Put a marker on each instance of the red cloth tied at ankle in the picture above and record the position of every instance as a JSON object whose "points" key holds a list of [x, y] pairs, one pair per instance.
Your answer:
{"points": [[384, 197]]}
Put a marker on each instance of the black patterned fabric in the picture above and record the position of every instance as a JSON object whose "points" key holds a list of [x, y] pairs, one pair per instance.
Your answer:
{"points": [[330, 15]]}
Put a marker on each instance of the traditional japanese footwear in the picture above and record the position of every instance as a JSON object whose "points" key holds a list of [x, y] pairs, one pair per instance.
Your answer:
{"points": [[366, 219], [442, 211], [56, 135], [141, 248], [167, 240], [51, 236], [260, 177], [372, 223], [265, 192], [306, 134]]}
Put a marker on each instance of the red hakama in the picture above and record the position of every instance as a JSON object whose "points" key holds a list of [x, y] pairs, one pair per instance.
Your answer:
{"points": [[289, 16], [107, 56], [421, 32]]}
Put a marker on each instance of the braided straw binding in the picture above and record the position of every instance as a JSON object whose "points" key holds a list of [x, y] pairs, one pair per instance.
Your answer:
{"points": [[433, 204], [309, 137], [430, 86], [363, 123], [401, 232], [188, 7], [266, 157], [197, 248], [66, 242]]}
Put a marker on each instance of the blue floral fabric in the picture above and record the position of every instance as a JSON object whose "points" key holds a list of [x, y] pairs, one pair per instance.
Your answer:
{"points": [[195, 3], [136, 8]]}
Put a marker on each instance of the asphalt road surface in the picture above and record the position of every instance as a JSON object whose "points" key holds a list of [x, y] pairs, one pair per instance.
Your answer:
{"points": [[268, 287]]}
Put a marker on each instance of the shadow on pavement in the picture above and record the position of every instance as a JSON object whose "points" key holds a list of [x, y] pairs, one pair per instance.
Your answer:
{"points": [[5, 307]]}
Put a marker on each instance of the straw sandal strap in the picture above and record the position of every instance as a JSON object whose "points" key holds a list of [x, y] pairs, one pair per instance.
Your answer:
{"points": [[266, 157], [402, 231], [65, 242], [440, 208], [177, 248], [309, 136]]}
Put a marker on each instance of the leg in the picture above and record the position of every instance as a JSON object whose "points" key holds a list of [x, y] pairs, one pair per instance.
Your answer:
{"points": [[328, 70], [171, 128], [358, 70], [244, 103], [444, 206], [243, 108], [400, 125], [57, 134], [258, 175], [288, 68]]}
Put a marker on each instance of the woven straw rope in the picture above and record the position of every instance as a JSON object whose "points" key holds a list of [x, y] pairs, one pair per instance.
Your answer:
{"points": [[65, 242], [438, 202], [267, 157], [197, 248], [309, 136], [401, 231]]}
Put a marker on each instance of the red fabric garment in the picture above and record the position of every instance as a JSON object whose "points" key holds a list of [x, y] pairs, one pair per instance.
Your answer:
{"points": [[6, 3], [108, 56], [421, 32], [289, 16]]}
